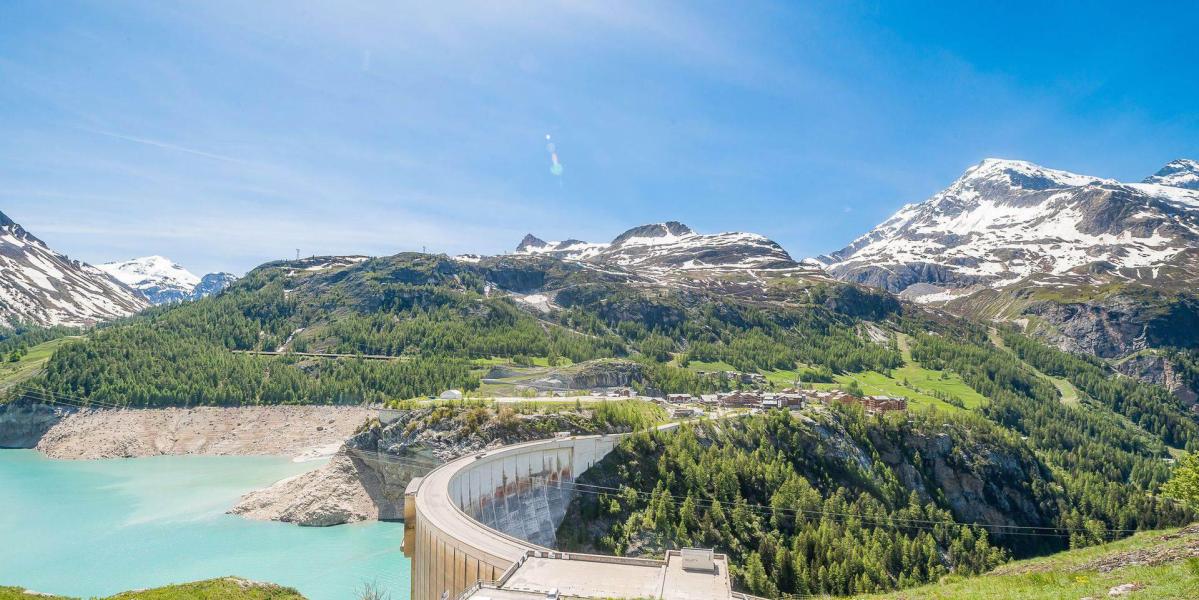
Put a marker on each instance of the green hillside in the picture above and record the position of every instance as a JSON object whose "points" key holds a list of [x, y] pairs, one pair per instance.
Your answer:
{"points": [[832, 501], [438, 318], [1161, 565]]}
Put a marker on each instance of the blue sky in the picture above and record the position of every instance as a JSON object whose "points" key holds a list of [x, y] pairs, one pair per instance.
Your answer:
{"points": [[227, 133]]}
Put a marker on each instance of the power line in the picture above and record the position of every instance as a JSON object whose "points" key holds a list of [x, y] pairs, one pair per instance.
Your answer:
{"points": [[50, 397], [897, 522]]}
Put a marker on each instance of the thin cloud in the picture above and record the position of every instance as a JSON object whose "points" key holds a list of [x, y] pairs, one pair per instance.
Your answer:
{"points": [[168, 146]]}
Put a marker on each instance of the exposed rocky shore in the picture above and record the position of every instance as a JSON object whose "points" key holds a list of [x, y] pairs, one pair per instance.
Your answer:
{"points": [[299, 431], [331, 495]]}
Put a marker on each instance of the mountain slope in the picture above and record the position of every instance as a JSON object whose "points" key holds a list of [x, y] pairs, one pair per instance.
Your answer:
{"points": [[672, 255], [1093, 265], [40, 286], [212, 283], [162, 280]]}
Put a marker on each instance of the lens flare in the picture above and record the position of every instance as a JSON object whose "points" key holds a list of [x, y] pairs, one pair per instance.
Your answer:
{"points": [[555, 166]]}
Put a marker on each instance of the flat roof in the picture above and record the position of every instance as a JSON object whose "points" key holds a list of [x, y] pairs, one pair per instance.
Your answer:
{"points": [[589, 577], [682, 584]]}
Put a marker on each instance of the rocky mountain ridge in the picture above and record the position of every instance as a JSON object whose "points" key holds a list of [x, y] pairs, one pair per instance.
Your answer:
{"points": [[39, 286], [669, 245]]}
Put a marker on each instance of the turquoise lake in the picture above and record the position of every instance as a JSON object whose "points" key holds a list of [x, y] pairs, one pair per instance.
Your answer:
{"points": [[94, 528]]}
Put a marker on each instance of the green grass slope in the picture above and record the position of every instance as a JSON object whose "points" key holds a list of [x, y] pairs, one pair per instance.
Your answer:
{"points": [[226, 588], [29, 365], [1161, 565]]}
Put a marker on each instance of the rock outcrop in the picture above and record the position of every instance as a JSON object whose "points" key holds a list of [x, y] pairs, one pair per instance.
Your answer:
{"points": [[1157, 369], [23, 424], [331, 495]]}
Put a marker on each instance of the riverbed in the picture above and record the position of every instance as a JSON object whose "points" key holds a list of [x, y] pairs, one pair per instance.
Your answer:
{"points": [[97, 527]]}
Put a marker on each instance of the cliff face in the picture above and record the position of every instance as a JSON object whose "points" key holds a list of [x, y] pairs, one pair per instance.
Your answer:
{"points": [[22, 425], [1121, 324], [1157, 369], [979, 481]]}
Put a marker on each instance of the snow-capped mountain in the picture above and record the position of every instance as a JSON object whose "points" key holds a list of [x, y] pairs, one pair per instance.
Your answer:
{"points": [[162, 280], [40, 286], [1183, 173], [671, 246], [157, 277], [1006, 221]]}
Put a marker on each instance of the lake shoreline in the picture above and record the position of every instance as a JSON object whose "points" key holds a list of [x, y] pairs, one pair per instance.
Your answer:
{"points": [[301, 432]]}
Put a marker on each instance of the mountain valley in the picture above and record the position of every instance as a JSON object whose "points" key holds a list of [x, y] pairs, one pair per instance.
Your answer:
{"points": [[1017, 416]]}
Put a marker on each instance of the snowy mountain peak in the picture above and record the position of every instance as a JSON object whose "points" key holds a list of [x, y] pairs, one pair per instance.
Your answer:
{"points": [[530, 241], [667, 230], [1181, 173], [151, 269], [162, 280], [1023, 175], [1004, 221]]}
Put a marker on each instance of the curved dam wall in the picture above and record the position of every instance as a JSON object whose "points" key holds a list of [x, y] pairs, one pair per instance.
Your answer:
{"points": [[473, 518]]}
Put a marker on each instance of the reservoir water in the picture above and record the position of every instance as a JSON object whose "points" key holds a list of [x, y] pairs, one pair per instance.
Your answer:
{"points": [[94, 528]]}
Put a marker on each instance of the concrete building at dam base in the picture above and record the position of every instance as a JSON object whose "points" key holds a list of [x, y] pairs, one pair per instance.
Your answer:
{"points": [[558, 575], [482, 527]]}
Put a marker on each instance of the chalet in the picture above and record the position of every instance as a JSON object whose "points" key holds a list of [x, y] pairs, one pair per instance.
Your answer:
{"points": [[740, 398], [884, 403], [790, 399]]}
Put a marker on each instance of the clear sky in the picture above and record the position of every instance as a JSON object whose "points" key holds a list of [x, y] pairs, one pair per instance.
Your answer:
{"points": [[227, 133]]}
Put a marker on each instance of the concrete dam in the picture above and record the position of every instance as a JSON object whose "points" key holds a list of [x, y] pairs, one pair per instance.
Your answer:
{"points": [[486, 524], [474, 517]]}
